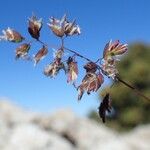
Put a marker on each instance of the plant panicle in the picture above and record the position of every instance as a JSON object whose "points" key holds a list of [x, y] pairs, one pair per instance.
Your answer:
{"points": [[95, 70]]}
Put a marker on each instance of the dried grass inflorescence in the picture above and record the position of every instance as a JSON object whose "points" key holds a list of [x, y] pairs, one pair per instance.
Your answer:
{"points": [[94, 71]]}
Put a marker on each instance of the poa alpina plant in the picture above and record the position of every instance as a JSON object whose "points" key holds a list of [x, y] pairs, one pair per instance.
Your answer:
{"points": [[95, 70]]}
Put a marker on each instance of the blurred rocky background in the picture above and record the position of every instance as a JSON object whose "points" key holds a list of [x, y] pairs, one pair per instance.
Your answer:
{"points": [[63, 130]]}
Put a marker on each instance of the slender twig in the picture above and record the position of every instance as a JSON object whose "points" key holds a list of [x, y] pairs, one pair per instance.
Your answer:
{"points": [[70, 50], [41, 42], [62, 43], [97, 60], [133, 88], [77, 54], [83, 57]]}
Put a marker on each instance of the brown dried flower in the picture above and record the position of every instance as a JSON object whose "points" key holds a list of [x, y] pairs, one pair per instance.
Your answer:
{"points": [[109, 69], [104, 106], [11, 35], [114, 48], [58, 54], [90, 67], [22, 50], [71, 28], [40, 54], [91, 82], [57, 26], [53, 69], [34, 27], [72, 70], [111, 50], [61, 27]]}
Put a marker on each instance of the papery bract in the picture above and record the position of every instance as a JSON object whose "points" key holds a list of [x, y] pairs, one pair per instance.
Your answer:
{"points": [[61, 27], [114, 48], [111, 50], [104, 106], [40, 54], [50, 70], [90, 83], [109, 69], [53, 69], [57, 26], [34, 27], [71, 28], [58, 54], [22, 50], [72, 70], [90, 67], [11, 35]]}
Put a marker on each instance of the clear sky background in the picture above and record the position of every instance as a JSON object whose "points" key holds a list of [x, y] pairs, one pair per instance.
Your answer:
{"points": [[100, 21]]}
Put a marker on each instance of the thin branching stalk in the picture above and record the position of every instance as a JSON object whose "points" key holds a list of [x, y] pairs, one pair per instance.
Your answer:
{"points": [[134, 89]]}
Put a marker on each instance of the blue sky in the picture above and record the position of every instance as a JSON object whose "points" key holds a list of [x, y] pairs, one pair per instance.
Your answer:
{"points": [[100, 21]]}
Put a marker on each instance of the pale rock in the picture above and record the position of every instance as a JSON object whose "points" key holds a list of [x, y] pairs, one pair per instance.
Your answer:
{"points": [[14, 114], [31, 137], [63, 130], [139, 138]]}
